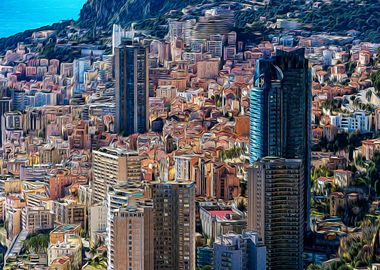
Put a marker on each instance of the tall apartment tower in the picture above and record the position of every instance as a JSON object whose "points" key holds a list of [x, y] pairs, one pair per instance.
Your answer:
{"points": [[174, 225], [276, 210], [134, 240], [112, 166], [132, 88], [185, 167], [80, 66], [5, 106], [280, 112], [118, 197]]}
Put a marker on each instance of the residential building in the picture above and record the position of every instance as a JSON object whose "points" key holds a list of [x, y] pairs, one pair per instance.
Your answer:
{"points": [[61, 263], [369, 148], [133, 245], [276, 209], [80, 66], [5, 106], [239, 252], [119, 196], [59, 233], [340, 201], [18, 100], [208, 69], [377, 119], [166, 91], [218, 220], [35, 219], [67, 212], [174, 225], [97, 223], [13, 221], [112, 166], [226, 183], [358, 121], [71, 247], [342, 178], [185, 168], [204, 256]]}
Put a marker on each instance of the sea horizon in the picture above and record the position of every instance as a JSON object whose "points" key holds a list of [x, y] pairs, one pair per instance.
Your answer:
{"points": [[39, 13]]}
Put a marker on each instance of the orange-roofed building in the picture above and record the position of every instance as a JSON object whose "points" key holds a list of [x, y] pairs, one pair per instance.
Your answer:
{"points": [[61, 263], [227, 183], [58, 234], [370, 147], [60, 182], [242, 125]]}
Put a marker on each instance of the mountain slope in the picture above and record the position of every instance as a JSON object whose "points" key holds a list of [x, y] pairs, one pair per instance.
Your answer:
{"points": [[104, 13]]}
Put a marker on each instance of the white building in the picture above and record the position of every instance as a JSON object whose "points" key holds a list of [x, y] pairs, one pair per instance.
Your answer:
{"points": [[166, 91], [97, 222], [184, 168], [72, 247], [215, 48], [81, 65], [357, 121]]}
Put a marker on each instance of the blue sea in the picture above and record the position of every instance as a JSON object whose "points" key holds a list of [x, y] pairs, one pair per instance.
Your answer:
{"points": [[20, 15]]}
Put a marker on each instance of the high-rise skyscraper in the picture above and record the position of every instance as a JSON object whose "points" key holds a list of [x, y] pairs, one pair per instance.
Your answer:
{"points": [[174, 225], [132, 88], [280, 112], [276, 210], [119, 196], [112, 166], [133, 237]]}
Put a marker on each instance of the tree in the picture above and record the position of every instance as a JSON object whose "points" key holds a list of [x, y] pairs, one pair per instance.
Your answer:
{"points": [[207, 267], [241, 206], [375, 78], [368, 95], [37, 243], [314, 267], [351, 149]]}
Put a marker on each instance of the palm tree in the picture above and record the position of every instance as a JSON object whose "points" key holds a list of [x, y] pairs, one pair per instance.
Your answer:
{"points": [[99, 262], [357, 249], [314, 267]]}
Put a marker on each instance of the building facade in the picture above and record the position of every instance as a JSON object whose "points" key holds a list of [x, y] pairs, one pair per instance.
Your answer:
{"points": [[112, 166], [280, 111], [132, 88], [276, 210], [239, 252], [174, 225], [134, 241], [118, 196]]}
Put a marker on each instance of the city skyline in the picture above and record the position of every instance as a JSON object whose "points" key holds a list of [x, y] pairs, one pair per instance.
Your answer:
{"points": [[192, 135]]}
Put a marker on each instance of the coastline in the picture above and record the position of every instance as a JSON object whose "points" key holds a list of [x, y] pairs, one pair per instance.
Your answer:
{"points": [[11, 42]]}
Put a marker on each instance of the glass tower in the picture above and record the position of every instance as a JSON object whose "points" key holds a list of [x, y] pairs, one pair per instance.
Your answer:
{"points": [[280, 111], [132, 88]]}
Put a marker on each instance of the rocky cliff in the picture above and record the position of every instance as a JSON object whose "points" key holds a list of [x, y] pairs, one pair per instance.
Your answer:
{"points": [[104, 13]]}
